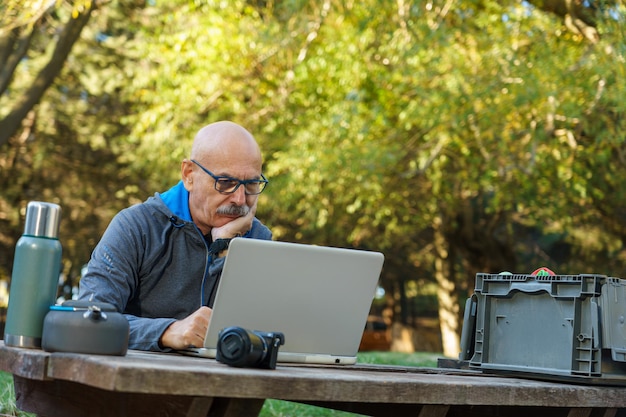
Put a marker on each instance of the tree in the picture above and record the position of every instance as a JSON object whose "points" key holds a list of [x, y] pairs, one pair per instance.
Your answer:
{"points": [[66, 150], [458, 126], [15, 46], [456, 140]]}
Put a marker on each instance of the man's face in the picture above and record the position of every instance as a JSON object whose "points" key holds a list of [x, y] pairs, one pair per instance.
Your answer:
{"points": [[210, 208]]}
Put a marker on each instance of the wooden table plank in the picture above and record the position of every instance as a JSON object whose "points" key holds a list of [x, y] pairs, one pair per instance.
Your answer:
{"points": [[144, 383], [29, 363], [143, 372], [434, 410], [235, 407], [69, 399]]}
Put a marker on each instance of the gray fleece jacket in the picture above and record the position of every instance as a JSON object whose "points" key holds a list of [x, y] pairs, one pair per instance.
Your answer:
{"points": [[153, 264]]}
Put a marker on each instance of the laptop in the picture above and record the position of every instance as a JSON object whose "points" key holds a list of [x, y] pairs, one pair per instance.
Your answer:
{"points": [[319, 297]]}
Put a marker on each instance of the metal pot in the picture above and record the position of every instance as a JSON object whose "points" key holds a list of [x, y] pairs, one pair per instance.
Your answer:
{"points": [[85, 327]]}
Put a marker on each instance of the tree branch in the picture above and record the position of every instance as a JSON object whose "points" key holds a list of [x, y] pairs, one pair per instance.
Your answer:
{"points": [[70, 34], [12, 49], [577, 16]]}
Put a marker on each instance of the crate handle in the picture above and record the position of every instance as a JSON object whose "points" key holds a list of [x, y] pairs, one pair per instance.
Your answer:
{"points": [[595, 334], [531, 287], [468, 329]]}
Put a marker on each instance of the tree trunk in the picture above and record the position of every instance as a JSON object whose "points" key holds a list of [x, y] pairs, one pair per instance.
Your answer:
{"points": [[447, 297]]}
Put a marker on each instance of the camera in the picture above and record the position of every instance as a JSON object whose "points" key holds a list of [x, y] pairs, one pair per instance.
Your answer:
{"points": [[240, 347]]}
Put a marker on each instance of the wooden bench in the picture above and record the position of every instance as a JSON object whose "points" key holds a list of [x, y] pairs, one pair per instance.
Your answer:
{"points": [[156, 384]]}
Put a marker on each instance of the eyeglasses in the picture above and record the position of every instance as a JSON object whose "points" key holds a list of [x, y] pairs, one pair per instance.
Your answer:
{"points": [[228, 185]]}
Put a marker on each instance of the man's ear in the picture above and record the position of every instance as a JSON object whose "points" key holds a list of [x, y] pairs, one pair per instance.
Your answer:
{"points": [[186, 173]]}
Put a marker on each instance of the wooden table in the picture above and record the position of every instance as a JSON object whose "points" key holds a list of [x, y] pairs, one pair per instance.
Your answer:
{"points": [[154, 384]]}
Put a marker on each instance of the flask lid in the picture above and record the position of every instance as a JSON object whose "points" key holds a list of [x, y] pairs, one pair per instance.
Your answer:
{"points": [[42, 219]]}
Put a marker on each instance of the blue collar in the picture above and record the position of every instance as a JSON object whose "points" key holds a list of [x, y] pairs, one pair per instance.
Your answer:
{"points": [[177, 200]]}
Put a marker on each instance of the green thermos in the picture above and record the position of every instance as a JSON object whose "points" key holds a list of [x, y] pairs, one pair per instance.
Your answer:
{"points": [[35, 276]]}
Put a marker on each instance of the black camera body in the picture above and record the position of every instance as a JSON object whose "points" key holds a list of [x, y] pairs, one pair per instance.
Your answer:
{"points": [[240, 347]]}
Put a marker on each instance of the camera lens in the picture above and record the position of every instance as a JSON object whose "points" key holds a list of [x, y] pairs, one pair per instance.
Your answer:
{"points": [[239, 347]]}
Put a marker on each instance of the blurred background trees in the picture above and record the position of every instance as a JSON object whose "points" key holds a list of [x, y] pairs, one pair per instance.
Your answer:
{"points": [[455, 137]]}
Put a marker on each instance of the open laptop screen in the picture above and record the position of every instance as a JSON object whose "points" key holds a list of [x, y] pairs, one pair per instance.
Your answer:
{"points": [[318, 297]]}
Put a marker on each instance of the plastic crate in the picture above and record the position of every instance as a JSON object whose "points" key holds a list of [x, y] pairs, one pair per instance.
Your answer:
{"points": [[567, 327]]}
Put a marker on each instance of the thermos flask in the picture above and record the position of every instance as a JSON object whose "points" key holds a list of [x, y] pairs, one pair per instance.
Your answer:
{"points": [[35, 275]]}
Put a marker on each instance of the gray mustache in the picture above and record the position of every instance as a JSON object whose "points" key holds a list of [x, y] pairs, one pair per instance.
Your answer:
{"points": [[232, 210]]}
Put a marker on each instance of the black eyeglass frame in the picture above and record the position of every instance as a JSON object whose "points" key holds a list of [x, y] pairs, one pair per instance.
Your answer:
{"points": [[262, 182]]}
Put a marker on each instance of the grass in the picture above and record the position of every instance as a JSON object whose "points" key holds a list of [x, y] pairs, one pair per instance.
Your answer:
{"points": [[7, 397], [271, 408], [421, 359]]}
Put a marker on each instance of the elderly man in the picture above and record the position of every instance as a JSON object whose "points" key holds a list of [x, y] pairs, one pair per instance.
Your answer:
{"points": [[159, 262]]}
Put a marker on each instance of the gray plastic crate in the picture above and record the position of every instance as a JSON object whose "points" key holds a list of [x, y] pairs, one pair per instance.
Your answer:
{"points": [[568, 327]]}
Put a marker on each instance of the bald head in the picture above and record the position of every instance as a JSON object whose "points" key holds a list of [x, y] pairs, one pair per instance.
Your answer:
{"points": [[224, 139]]}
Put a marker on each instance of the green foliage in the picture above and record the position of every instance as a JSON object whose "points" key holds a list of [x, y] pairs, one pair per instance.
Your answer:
{"points": [[379, 121], [7, 397]]}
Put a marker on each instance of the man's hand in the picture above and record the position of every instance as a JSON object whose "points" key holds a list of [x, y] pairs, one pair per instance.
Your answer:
{"points": [[188, 332], [237, 227]]}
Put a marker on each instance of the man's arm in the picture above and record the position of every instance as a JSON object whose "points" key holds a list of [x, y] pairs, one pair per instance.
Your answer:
{"points": [[113, 277], [112, 272]]}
